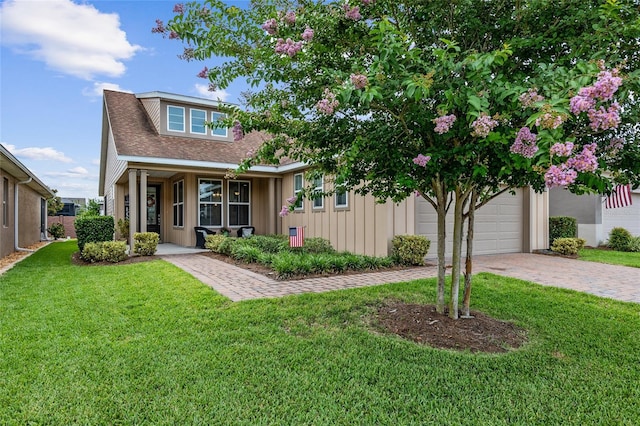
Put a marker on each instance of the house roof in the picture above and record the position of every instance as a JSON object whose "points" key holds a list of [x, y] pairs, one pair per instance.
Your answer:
{"points": [[18, 170]]}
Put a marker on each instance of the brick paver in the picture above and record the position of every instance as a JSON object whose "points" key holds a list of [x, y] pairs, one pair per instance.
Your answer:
{"points": [[616, 282]]}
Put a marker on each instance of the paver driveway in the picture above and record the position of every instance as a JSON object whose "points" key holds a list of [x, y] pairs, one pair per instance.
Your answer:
{"points": [[616, 282]]}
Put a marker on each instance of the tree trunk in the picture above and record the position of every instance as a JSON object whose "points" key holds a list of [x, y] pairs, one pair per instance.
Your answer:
{"points": [[466, 300], [441, 210], [458, 219]]}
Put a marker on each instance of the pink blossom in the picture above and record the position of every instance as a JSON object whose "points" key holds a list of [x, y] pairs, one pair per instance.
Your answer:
{"points": [[580, 103], [204, 73], [586, 161], [178, 8], [307, 34], [284, 211], [550, 120], [422, 160], [238, 132], [159, 28], [483, 125], [601, 119], [444, 123], [525, 143], [615, 144], [560, 176], [250, 153], [270, 26], [367, 2], [352, 12], [173, 35], [530, 97], [561, 149], [606, 85], [288, 47], [292, 200], [290, 18], [328, 104], [359, 80]]}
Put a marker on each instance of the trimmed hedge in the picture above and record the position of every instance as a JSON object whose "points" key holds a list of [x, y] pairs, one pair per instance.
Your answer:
{"points": [[568, 246], [410, 249], [94, 229], [109, 251], [145, 243], [562, 227]]}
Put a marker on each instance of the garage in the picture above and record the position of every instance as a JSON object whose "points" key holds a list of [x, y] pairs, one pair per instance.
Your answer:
{"points": [[498, 225]]}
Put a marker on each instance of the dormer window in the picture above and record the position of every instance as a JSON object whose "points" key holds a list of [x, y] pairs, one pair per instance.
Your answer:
{"points": [[175, 118], [218, 131], [198, 118]]}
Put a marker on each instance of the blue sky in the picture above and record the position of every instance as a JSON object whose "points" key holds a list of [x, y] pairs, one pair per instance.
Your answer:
{"points": [[58, 55]]}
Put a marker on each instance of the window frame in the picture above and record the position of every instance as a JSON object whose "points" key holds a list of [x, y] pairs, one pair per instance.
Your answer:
{"points": [[178, 204], [300, 204], [5, 202], [214, 118], [238, 203], [346, 200], [221, 202], [318, 203], [204, 121], [169, 129]]}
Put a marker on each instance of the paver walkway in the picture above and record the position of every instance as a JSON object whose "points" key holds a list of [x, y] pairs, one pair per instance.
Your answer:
{"points": [[616, 282]]}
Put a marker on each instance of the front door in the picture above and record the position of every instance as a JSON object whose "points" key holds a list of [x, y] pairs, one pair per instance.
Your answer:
{"points": [[153, 209]]}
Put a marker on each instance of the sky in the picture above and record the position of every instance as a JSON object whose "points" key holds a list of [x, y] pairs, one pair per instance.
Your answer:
{"points": [[56, 58]]}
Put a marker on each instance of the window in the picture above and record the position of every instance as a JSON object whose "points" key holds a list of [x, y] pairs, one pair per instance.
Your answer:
{"points": [[178, 203], [218, 131], [298, 184], [210, 202], [5, 202], [175, 118], [198, 118], [342, 200], [318, 187], [239, 203]]}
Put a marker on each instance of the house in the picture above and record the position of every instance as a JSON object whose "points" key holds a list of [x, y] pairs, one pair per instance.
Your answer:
{"points": [[595, 221], [162, 168], [24, 205]]}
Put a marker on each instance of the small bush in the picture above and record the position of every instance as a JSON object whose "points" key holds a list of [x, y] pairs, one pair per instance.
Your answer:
{"points": [[410, 249], [270, 243], [568, 246], [56, 230], [562, 227], [284, 264], [634, 244], [213, 242], [109, 251], [246, 253], [619, 239], [226, 246], [93, 229], [145, 243], [123, 228], [317, 245]]}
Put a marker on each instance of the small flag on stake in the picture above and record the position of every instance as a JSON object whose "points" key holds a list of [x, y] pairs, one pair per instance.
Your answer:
{"points": [[296, 236], [620, 197]]}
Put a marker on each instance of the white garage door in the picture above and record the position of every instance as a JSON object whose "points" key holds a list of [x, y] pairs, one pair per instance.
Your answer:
{"points": [[498, 225], [625, 217]]}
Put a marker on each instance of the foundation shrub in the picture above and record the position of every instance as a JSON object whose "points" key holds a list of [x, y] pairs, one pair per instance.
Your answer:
{"points": [[562, 227], [410, 249], [105, 251], [93, 229], [568, 246], [145, 243], [56, 230], [619, 239]]}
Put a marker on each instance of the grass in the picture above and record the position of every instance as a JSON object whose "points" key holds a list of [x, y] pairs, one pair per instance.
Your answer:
{"points": [[148, 344], [610, 256]]}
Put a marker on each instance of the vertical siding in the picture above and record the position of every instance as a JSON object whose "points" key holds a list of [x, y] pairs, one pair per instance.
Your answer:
{"points": [[152, 106], [7, 232]]}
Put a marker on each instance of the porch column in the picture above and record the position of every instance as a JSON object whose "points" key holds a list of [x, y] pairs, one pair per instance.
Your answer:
{"points": [[143, 203], [271, 207], [133, 204], [536, 220]]}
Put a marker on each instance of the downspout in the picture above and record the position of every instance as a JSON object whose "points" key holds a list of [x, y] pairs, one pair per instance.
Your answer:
{"points": [[16, 215]]}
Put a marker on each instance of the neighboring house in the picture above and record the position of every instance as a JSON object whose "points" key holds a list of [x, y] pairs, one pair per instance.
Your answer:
{"points": [[594, 220], [24, 205], [66, 216], [167, 172]]}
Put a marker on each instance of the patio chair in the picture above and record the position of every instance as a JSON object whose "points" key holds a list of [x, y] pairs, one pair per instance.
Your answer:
{"points": [[246, 231], [201, 233]]}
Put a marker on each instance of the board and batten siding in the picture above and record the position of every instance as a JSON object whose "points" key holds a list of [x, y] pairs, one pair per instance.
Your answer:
{"points": [[364, 227]]}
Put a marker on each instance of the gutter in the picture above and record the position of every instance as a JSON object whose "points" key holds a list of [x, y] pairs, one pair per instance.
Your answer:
{"points": [[16, 216]]}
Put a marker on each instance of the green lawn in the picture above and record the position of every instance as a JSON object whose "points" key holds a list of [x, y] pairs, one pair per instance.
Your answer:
{"points": [[148, 344], [610, 256]]}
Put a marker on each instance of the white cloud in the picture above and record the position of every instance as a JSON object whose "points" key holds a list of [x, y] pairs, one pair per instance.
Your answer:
{"points": [[98, 87], [76, 172], [217, 95], [35, 153], [75, 39]]}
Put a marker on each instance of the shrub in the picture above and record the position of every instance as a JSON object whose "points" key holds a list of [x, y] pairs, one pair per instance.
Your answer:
{"points": [[93, 229], [568, 246], [634, 244], [410, 249], [284, 264], [213, 242], [123, 228], [145, 243], [562, 227], [270, 243], [226, 246], [56, 230], [245, 253], [619, 239], [317, 245], [110, 251]]}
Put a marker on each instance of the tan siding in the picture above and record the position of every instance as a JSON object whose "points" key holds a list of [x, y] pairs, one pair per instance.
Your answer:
{"points": [[7, 232], [162, 123], [114, 167], [152, 106], [29, 203]]}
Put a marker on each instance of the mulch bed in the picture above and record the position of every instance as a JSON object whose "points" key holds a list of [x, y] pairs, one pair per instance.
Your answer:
{"points": [[422, 324]]}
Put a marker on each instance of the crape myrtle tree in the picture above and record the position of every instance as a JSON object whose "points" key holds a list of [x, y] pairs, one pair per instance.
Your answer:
{"points": [[456, 103]]}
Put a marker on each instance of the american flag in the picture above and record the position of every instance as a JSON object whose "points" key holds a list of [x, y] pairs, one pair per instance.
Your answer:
{"points": [[296, 236], [620, 197]]}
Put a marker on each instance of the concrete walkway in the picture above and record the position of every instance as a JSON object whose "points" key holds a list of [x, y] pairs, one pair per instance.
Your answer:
{"points": [[615, 282]]}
